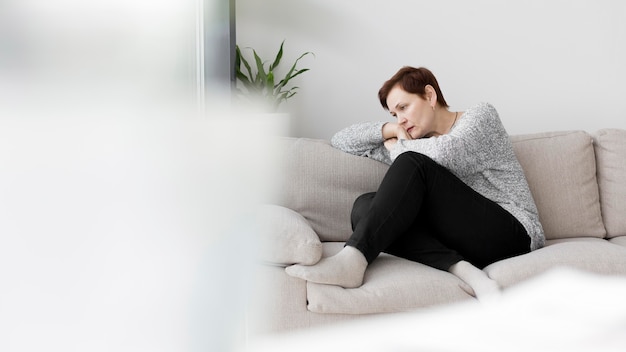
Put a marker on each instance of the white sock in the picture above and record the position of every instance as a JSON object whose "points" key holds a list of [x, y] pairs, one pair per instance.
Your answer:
{"points": [[484, 287], [345, 269]]}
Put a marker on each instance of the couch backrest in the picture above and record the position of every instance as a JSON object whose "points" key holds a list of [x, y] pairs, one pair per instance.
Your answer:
{"points": [[321, 182], [610, 148]]}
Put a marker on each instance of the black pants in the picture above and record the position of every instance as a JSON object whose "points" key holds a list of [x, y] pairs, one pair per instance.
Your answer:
{"points": [[424, 213]]}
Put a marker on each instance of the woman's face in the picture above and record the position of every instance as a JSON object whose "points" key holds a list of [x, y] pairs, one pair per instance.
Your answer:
{"points": [[413, 113]]}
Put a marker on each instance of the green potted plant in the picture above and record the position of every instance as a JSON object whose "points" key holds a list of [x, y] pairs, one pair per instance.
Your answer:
{"points": [[261, 85]]}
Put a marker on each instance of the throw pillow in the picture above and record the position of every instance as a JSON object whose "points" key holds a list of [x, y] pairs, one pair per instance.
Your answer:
{"points": [[561, 171], [286, 237], [610, 147]]}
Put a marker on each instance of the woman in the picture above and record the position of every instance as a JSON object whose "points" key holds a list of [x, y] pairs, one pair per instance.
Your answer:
{"points": [[454, 198]]}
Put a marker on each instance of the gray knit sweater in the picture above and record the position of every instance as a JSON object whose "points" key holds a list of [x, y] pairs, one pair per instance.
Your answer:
{"points": [[477, 149]]}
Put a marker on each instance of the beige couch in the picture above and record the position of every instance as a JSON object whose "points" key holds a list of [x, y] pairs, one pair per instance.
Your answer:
{"points": [[578, 181]]}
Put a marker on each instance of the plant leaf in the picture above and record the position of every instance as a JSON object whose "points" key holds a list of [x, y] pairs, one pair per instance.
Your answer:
{"points": [[278, 57], [298, 73], [261, 76], [246, 82], [282, 97], [237, 58], [269, 85], [245, 63], [289, 74]]}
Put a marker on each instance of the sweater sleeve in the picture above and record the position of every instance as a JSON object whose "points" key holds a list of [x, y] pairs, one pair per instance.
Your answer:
{"points": [[363, 139]]}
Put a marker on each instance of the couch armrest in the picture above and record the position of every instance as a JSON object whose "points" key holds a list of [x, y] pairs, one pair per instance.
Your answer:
{"points": [[286, 237]]}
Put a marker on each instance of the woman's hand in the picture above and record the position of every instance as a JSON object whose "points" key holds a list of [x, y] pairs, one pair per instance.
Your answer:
{"points": [[389, 143], [401, 133], [392, 132], [389, 130]]}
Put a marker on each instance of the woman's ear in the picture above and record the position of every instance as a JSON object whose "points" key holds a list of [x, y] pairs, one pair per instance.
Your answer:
{"points": [[431, 95]]}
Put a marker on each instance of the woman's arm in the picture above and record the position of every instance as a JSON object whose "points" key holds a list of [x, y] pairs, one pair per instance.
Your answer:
{"points": [[363, 139]]}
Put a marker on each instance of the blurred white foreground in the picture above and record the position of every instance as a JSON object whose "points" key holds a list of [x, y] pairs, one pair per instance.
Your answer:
{"points": [[124, 216], [561, 310], [128, 232]]}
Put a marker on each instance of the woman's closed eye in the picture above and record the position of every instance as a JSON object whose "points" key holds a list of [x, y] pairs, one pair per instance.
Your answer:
{"points": [[398, 108]]}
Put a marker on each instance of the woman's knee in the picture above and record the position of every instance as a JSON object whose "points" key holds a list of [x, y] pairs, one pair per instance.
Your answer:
{"points": [[414, 158], [361, 207]]}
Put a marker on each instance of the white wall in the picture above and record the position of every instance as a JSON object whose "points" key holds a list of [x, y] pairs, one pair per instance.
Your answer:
{"points": [[544, 64]]}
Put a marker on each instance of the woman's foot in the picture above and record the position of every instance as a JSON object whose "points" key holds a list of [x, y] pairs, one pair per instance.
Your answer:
{"points": [[484, 287], [345, 269]]}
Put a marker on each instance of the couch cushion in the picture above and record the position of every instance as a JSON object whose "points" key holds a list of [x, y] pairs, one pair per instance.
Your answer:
{"points": [[391, 284], [321, 183], [620, 240], [561, 173], [286, 237], [587, 254], [610, 147]]}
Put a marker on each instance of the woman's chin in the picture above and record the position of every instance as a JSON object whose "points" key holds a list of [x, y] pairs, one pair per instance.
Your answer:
{"points": [[416, 135]]}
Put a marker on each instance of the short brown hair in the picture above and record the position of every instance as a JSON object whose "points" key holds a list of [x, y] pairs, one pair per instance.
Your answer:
{"points": [[412, 80]]}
